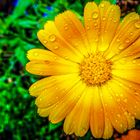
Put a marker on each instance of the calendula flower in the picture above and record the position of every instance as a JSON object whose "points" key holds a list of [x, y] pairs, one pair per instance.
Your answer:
{"points": [[92, 71]]}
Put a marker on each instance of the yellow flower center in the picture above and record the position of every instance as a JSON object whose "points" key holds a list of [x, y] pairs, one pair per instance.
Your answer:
{"points": [[95, 69]]}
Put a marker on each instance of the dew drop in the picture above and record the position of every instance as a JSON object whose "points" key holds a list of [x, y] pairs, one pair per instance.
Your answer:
{"points": [[114, 20], [35, 54], [137, 24], [95, 15], [95, 24], [45, 41], [127, 40], [66, 57], [56, 47], [118, 115], [34, 87], [125, 100], [88, 27], [55, 58], [66, 27], [121, 125], [118, 40], [121, 47], [52, 38], [134, 61], [104, 18], [131, 33], [102, 5]]}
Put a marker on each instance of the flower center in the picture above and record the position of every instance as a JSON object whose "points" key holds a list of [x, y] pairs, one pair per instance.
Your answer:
{"points": [[95, 69]]}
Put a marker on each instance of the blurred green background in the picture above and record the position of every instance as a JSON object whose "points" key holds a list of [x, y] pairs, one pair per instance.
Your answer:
{"points": [[20, 21]]}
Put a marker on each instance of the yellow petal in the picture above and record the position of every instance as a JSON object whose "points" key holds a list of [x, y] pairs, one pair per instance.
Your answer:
{"points": [[46, 68], [124, 38], [51, 38], [113, 109], [78, 119], [52, 84], [72, 30], [128, 74], [126, 96], [97, 114], [53, 89], [45, 55], [133, 51], [110, 18], [66, 104], [108, 129], [92, 24]]}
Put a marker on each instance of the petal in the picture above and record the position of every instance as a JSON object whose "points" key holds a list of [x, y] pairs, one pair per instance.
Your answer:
{"points": [[97, 114], [114, 111], [92, 24], [45, 55], [51, 38], [108, 129], [128, 74], [126, 35], [72, 30], [51, 86], [110, 18], [53, 93], [78, 119], [133, 51], [66, 104], [46, 68], [126, 96]]}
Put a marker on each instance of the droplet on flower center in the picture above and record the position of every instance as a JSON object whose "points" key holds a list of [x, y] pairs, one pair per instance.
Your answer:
{"points": [[95, 70]]}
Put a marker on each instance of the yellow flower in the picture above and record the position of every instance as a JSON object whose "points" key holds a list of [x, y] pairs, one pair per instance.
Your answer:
{"points": [[93, 71]]}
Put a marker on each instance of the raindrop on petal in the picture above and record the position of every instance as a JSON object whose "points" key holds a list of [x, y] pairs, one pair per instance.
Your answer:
{"points": [[137, 24], [95, 15], [56, 47], [52, 38]]}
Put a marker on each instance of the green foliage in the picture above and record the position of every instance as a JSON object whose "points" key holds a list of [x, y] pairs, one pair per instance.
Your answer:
{"points": [[111, 1], [18, 113]]}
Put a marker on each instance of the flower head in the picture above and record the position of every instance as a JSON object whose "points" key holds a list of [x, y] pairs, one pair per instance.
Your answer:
{"points": [[92, 71]]}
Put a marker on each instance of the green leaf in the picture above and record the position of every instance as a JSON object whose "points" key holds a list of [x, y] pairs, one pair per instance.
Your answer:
{"points": [[111, 1], [21, 55]]}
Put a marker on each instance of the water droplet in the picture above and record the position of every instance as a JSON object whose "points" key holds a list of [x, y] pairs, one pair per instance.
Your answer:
{"points": [[95, 24], [95, 15], [118, 115], [134, 61], [121, 125], [102, 5], [114, 20], [118, 40], [35, 54], [125, 100], [45, 41], [104, 18], [66, 27], [56, 47], [137, 24], [131, 33], [88, 27], [52, 38], [136, 93], [66, 57], [34, 87], [121, 47], [55, 58], [127, 40]]}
